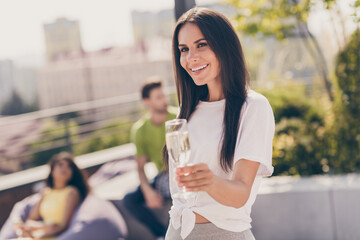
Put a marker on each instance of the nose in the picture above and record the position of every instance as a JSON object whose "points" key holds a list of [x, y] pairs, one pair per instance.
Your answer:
{"points": [[193, 55]]}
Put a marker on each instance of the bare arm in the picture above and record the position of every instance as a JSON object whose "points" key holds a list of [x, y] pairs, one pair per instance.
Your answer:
{"points": [[144, 181], [233, 193], [23, 228], [35, 211], [152, 198], [33, 220]]}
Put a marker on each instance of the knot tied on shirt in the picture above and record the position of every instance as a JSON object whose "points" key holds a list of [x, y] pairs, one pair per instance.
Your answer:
{"points": [[182, 214]]}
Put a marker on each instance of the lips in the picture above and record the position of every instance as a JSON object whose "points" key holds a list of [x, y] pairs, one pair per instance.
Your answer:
{"points": [[199, 68]]}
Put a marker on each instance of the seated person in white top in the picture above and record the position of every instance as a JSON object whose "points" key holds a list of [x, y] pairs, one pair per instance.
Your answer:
{"points": [[231, 129]]}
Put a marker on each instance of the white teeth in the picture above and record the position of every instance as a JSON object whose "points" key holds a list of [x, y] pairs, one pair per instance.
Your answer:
{"points": [[199, 68]]}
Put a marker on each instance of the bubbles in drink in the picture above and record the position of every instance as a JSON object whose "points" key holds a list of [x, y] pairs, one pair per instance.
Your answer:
{"points": [[178, 146]]}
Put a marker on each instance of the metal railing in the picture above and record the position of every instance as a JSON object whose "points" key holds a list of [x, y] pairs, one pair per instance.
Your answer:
{"points": [[30, 139]]}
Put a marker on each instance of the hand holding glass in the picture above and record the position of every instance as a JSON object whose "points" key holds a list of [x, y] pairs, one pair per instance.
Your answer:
{"points": [[178, 146]]}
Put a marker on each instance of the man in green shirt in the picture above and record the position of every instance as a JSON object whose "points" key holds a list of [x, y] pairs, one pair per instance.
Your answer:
{"points": [[148, 135]]}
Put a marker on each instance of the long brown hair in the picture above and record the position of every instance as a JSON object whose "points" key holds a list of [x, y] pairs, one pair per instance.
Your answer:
{"points": [[224, 42], [78, 178]]}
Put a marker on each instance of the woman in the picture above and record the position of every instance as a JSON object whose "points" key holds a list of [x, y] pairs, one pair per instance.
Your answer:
{"points": [[67, 188], [231, 128]]}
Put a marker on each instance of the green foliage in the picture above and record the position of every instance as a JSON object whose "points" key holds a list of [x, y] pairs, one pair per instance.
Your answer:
{"points": [[277, 17], [348, 75], [312, 140], [298, 147], [85, 137], [270, 18], [117, 134], [111, 135], [48, 145], [346, 127], [299, 134], [356, 13], [289, 18]]}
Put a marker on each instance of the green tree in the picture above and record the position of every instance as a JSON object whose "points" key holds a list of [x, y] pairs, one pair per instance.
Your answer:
{"points": [[286, 19], [346, 129], [356, 13], [298, 146]]}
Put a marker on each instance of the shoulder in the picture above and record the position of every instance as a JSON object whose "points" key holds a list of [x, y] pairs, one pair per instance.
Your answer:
{"points": [[45, 191], [139, 125], [257, 108], [72, 194], [73, 191], [255, 100]]}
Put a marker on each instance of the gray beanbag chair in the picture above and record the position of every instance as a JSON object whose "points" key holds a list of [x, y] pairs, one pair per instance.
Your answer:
{"points": [[20, 209], [94, 219]]}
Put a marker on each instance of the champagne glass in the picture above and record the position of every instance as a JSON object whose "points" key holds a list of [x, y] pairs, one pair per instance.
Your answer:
{"points": [[178, 146]]}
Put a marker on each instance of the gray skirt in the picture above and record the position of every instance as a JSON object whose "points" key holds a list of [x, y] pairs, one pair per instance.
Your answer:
{"points": [[208, 231]]}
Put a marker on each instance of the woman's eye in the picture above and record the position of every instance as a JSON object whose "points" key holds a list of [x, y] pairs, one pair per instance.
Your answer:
{"points": [[202, 45], [183, 49]]}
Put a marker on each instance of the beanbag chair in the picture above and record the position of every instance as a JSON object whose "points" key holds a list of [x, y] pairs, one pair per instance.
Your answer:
{"points": [[94, 219]]}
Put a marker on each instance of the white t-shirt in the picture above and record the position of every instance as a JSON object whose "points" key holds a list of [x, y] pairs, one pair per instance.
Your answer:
{"points": [[254, 142]]}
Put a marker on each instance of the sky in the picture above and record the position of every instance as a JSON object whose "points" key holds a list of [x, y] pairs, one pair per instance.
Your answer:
{"points": [[103, 23]]}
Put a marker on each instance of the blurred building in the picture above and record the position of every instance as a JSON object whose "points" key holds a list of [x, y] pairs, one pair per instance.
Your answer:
{"points": [[6, 80], [79, 76], [25, 83], [61, 37], [73, 76], [19, 79], [151, 25]]}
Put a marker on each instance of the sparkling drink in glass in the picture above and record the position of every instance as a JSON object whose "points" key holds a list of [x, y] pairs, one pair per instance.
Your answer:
{"points": [[178, 146]]}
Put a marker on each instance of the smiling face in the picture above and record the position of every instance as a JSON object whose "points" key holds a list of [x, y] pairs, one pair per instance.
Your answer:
{"points": [[196, 56]]}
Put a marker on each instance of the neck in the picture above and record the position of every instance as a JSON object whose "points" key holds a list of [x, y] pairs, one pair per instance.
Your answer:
{"points": [[59, 185], [158, 118], [215, 91]]}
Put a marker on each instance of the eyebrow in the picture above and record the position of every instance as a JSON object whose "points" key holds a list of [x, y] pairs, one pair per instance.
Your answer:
{"points": [[194, 42]]}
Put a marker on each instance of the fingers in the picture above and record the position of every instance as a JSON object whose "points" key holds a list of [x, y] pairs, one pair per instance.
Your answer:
{"points": [[195, 178], [191, 168], [196, 183]]}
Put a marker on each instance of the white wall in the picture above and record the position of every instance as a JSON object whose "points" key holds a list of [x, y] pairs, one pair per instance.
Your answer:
{"points": [[310, 208]]}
